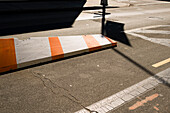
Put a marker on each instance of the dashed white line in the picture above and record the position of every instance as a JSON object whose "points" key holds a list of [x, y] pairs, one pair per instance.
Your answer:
{"points": [[128, 94]]}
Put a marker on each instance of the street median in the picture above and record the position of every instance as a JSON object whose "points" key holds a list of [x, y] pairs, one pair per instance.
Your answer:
{"points": [[15, 54]]}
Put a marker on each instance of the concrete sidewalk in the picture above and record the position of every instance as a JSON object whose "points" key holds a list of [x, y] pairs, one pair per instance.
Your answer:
{"points": [[112, 3], [16, 53], [123, 3]]}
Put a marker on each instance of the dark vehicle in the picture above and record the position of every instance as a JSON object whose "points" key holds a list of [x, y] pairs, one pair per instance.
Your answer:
{"points": [[31, 15]]}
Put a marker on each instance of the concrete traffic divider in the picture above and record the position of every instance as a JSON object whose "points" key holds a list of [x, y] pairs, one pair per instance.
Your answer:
{"points": [[16, 53]]}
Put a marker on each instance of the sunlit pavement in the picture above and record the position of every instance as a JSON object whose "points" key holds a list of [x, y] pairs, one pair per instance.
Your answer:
{"points": [[75, 83]]}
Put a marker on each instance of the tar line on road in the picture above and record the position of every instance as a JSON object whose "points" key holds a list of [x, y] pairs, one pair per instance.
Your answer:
{"points": [[116, 100]]}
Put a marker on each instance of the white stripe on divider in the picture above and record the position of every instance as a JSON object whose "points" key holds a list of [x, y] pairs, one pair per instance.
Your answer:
{"points": [[73, 44], [32, 50], [16, 51], [102, 40]]}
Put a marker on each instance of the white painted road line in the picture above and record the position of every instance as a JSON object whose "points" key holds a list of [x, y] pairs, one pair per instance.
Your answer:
{"points": [[161, 63], [128, 94], [165, 42], [153, 31], [147, 27]]}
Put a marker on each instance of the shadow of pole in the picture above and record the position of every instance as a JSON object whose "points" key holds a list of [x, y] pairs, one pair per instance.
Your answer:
{"points": [[113, 30], [104, 3], [142, 68], [103, 20]]}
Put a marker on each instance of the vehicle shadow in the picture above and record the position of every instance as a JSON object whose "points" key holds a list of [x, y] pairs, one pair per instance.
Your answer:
{"points": [[164, 0], [29, 16]]}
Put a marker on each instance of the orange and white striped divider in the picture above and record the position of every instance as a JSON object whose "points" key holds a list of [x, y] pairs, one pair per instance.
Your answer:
{"points": [[16, 53]]}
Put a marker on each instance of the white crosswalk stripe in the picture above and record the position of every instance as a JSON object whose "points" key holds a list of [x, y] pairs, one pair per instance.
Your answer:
{"points": [[162, 41]]}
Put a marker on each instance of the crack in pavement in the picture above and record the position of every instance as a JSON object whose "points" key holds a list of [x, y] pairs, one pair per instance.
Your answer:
{"points": [[48, 83]]}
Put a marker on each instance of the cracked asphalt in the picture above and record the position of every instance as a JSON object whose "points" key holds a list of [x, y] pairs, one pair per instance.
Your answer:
{"points": [[72, 84]]}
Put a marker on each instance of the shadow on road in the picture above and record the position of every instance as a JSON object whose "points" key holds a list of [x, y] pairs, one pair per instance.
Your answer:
{"points": [[142, 68], [97, 7], [115, 31], [32, 15], [164, 0]]}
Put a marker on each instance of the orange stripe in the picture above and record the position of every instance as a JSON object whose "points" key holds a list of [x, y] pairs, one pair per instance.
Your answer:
{"points": [[92, 43], [56, 48], [112, 41], [7, 55]]}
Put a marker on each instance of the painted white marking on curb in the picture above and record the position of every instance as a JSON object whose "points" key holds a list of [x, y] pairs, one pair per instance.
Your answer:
{"points": [[128, 94], [101, 39], [77, 44], [32, 49], [161, 63]]}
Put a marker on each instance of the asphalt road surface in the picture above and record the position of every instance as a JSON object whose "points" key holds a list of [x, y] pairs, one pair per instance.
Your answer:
{"points": [[96, 82]]}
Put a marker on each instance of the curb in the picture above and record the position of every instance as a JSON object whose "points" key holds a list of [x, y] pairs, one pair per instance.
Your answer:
{"points": [[15, 54], [117, 3]]}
